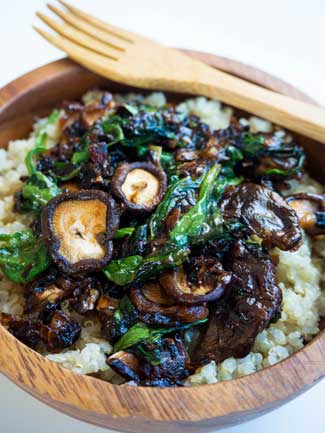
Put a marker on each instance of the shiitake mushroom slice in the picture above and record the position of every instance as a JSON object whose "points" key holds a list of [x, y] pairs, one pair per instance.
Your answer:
{"points": [[78, 228], [205, 281], [252, 301], [156, 308], [310, 209], [126, 365], [173, 367], [264, 213], [140, 185]]}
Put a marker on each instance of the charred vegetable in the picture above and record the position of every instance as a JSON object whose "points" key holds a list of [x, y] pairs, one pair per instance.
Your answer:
{"points": [[78, 228], [139, 185], [310, 209]]}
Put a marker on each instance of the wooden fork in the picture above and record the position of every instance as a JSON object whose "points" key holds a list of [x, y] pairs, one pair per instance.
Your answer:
{"points": [[135, 60]]}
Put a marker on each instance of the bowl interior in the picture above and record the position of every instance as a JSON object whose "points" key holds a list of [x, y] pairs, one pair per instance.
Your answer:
{"points": [[131, 408]]}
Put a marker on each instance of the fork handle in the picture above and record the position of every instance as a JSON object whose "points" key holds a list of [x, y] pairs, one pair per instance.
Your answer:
{"points": [[301, 117]]}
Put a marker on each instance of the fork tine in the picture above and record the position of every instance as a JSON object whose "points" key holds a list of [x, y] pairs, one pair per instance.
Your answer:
{"points": [[93, 61], [79, 37], [116, 31], [85, 27]]}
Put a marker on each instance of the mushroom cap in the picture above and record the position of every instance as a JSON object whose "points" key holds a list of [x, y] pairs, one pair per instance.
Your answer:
{"points": [[210, 287], [156, 308], [78, 228], [265, 213], [309, 208], [140, 185]]}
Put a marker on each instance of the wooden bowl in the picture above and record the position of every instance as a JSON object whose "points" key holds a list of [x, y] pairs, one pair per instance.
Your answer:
{"points": [[138, 409]]}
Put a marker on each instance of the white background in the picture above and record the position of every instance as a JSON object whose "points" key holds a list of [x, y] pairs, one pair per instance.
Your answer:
{"points": [[283, 37]]}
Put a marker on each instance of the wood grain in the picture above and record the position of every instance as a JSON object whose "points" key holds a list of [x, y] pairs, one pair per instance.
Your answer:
{"points": [[131, 58], [137, 409]]}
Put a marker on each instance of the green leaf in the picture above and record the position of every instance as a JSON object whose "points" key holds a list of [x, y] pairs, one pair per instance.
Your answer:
{"points": [[80, 157], [180, 190], [121, 233], [123, 271], [37, 191], [114, 130], [191, 224], [141, 333], [63, 167], [252, 144], [40, 144], [132, 109], [23, 256], [134, 335], [107, 127], [124, 317], [285, 173], [167, 257]]}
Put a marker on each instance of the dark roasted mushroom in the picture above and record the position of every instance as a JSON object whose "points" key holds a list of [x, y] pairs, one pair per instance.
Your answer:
{"points": [[126, 365], [253, 300], [310, 209], [107, 305], [38, 299], [41, 291], [173, 367], [155, 308], [59, 333], [264, 213], [25, 330], [78, 228], [202, 280], [140, 186]]}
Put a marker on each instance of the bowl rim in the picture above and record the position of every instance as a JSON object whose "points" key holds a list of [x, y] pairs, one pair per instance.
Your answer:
{"points": [[106, 404]]}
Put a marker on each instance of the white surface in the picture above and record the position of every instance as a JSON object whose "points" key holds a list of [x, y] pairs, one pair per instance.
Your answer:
{"points": [[284, 37]]}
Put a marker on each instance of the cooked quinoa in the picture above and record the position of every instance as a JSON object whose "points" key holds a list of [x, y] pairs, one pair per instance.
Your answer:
{"points": [[299, 274]]}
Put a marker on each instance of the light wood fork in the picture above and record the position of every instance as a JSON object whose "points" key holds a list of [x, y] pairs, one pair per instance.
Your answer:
{"points": [[132, 59]]}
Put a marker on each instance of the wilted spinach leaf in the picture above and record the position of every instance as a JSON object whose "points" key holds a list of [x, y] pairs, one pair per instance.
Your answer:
{"points": [[124, 317], [36, 192], [191, 224], [141, 333], [108, 127], [124, 271], [23, 256], [121, 233], [182, 189], [40, 144]]}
